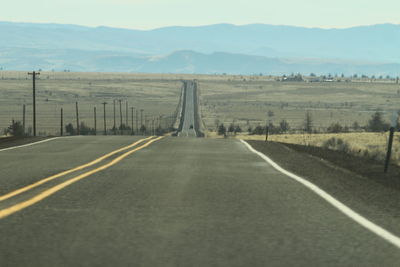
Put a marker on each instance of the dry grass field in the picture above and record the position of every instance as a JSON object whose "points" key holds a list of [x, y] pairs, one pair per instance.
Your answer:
{"points": [[361, 144], [156, 94], [247, 102]]}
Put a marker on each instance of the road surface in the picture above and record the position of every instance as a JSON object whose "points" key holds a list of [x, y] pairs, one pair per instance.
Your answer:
{"points": [[136, 201], [188, 129], [176, 202]]}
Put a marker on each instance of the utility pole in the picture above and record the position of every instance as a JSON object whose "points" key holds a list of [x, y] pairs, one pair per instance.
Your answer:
{"points": [[114, 128], [95, 122], [62, 123], [105, 126], [132, 120], [152, 127], [77, 119], [266, 131], [34, 99], [390, 143], [137, 122], [126, 118], [141, 117], [389, 149], [120, 115], [146, 126], [23, 118]]}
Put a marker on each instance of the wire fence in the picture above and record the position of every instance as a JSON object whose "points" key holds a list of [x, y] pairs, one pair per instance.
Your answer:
{"points": [[89, 119]]}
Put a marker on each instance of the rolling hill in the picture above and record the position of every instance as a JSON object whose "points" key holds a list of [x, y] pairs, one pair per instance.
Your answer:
{"points": [[221, 48]]}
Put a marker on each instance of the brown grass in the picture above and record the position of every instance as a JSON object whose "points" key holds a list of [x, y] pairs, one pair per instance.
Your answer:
{"points": [[156, 94], [374, 143], [247, 102]]}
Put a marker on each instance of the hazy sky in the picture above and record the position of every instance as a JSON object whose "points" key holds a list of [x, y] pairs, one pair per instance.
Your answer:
{"points": [[147, 14]]}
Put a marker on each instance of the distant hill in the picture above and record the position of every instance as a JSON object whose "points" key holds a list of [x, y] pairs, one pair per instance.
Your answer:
{"points": [[208, 49], [179, 62]]}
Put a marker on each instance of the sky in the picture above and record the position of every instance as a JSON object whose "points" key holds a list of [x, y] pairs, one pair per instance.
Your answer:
{"points": [[150, 14]]}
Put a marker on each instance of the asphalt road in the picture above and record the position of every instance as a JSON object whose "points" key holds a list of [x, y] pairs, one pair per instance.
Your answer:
{"points": [[188, 119], [176, 202], [136, 201]]}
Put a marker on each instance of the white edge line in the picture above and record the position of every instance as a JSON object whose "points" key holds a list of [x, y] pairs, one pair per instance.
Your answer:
{"points": [[376, 229], [30, 144]]}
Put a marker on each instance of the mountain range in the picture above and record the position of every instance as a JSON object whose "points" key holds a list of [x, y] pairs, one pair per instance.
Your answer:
{"points": [[221, 48]]}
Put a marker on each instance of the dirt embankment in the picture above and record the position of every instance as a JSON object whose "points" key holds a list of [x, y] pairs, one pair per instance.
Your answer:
{"points": [[358, 182]]}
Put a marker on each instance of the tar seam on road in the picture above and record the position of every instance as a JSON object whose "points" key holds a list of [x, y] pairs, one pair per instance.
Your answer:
{"points": [[58, 175], [30, 144], [48, 192], [364, 222]]}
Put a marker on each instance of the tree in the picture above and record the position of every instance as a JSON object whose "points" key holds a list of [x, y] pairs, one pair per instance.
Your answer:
{"points": [[356, 126], [237, 129], [335, 128], [376, 123], [272, 129], [308, 121], [85, 130], [259, 130], [284, 126], [69, 129], [231, 128], [15, 129], [221, 129]]}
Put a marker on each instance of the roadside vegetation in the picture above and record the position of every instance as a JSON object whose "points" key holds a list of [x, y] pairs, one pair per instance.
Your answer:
{"points": [[368, 141], [157, 95]]}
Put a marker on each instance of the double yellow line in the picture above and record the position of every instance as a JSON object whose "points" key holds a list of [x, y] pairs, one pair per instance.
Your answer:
{"points": [[48, 192]]}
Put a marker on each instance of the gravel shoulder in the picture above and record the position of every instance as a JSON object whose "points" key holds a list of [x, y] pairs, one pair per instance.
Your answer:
{"points": [[357, 182]]}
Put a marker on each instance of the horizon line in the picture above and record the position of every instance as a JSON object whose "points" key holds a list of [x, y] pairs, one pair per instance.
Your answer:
{"points": [[197, 26]]}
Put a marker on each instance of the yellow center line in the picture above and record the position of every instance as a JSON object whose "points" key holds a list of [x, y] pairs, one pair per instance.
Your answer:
{"points": [[20, 206], [50, 178]]}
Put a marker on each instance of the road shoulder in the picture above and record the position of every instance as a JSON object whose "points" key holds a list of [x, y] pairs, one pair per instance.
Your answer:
{"points": [[7, 142], [376, 201]]}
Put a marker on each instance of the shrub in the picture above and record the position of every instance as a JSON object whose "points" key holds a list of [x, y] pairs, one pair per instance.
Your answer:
{"points": [[376, 123], [284, 126], [69, 129], [259, 130], [85, 130], [335, 128], [221, 129], [231, 128], [15, 129], [337, 144], [331, 142], [238, 129]]}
